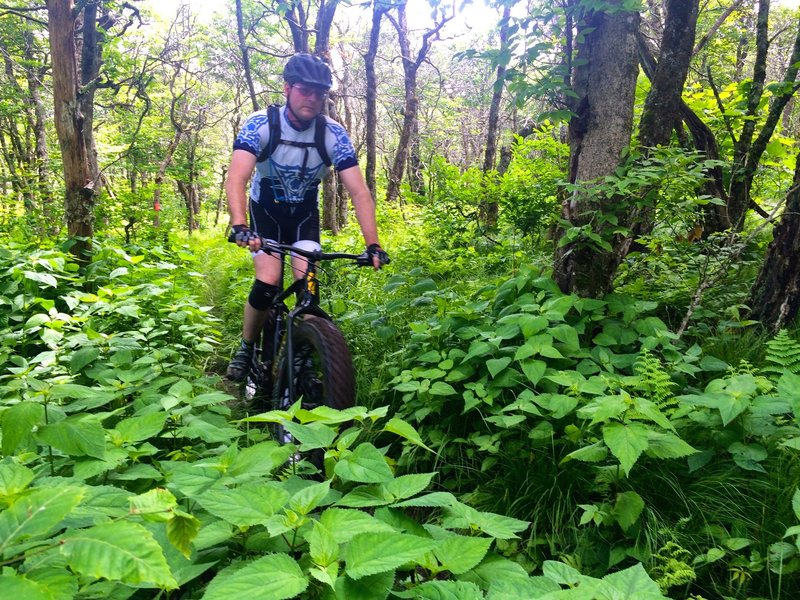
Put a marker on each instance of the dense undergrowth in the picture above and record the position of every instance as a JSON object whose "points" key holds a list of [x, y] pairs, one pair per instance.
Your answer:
{"points": [[510, 441], [126, 474], [619, 442]]}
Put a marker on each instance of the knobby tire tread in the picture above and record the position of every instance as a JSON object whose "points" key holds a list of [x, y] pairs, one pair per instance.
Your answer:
{"points": [[335, 361]]}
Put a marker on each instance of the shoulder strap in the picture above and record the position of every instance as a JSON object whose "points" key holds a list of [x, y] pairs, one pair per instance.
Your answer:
{"points": [[319, 139], [274, 119]]}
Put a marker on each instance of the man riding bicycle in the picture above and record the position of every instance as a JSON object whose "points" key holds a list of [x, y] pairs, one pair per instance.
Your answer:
{"points": [[283, 199]]}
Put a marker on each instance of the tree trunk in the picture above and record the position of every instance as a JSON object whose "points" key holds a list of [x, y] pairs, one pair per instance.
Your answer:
{"points": [[372, 97], [42, 157], [248, 76], [79, 185], [90, 51], [331, 217], [661, 113], [605, 84], [411, 106], [775, 297], [488, 209]]}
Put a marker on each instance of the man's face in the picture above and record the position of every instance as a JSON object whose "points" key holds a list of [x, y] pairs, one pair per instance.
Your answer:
{"points": [[305, 100]]}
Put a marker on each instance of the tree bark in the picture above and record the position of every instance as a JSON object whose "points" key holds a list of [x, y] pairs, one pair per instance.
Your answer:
{"points": [[372, 97], [605, 83], [661, 113], [248, 75], [411, 106], [79, 186], [332, 217], [775, 297], [90, 51], [488, 209]]}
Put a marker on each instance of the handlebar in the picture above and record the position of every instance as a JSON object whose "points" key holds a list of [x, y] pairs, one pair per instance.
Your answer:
{"points": [[271, 247]]}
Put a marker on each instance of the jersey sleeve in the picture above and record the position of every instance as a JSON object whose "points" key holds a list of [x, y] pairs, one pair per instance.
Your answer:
{"points": [[339, 146], [254, 134]]}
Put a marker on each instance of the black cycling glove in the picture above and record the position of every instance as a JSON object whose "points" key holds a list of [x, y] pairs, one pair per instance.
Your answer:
{"points": [[376, 250], [242, 233]]}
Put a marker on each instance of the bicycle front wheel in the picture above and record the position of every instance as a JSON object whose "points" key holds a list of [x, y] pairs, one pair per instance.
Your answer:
{"points": [[323, 367]]}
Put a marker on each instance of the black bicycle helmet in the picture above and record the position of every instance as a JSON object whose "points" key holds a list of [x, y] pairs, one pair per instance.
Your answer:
{"points": [[309, 69]]}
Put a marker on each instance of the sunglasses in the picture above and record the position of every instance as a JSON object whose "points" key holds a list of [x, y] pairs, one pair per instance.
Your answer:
{"points": [[308, 91]]}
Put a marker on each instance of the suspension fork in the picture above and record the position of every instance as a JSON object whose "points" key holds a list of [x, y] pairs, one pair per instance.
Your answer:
{"points": [[307, 290]]}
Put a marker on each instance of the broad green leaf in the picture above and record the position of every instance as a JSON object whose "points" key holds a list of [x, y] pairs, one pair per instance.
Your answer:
{"points": [[154, 505], [440, 388], [567, 335], [345, 524], [323, 547], [593, 453], [496, 365], [43, 278], [461, 516], [534, 370], [789, 389], [404, 430], [14, 479], [17, 423], [137, 429], [259, 459], [796, 503], [76, 436], [182, 529], [37, 514], [533, 587], [372, 553], [119, 550], [307, 499], [364, 465], [83, 357], [313, 436], [532, 324], [561, 573], [22, 588], [328, 575], [732, 406], [478, 349], [188, 478], [494, 569], [406, 486], [372, 587], [604, 408], [627, 509], [246, 505], [273, 577], [667, 445], [626, 442], [458, 553], [445, 590], [432, 500], [365, 496], [633, 582], [198, 428]]}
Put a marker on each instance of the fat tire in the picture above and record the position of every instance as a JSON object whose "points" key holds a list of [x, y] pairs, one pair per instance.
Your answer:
{"points": [[333, 376]]}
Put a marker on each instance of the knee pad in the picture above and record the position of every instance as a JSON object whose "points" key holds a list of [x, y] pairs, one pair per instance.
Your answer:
{"points": [[261, 295]]}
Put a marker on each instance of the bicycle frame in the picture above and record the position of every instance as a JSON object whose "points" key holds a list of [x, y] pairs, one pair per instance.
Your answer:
{"points": [[306, 290]]}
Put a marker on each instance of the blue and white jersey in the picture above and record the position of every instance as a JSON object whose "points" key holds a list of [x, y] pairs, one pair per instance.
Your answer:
{"points": [[292, 174]]}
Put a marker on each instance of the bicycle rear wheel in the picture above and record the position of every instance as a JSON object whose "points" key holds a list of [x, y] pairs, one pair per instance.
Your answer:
{"points": [[323, 367]]}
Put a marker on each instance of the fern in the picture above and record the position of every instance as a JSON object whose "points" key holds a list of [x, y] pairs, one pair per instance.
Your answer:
{"points": [[652, 381], [783, 354], [672, 567]]}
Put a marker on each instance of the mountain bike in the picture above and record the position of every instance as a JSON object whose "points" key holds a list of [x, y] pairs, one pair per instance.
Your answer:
{"points": [[301, 354]]}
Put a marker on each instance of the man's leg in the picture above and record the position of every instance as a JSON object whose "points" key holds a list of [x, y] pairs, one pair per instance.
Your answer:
{"points": [[256, 312]]}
